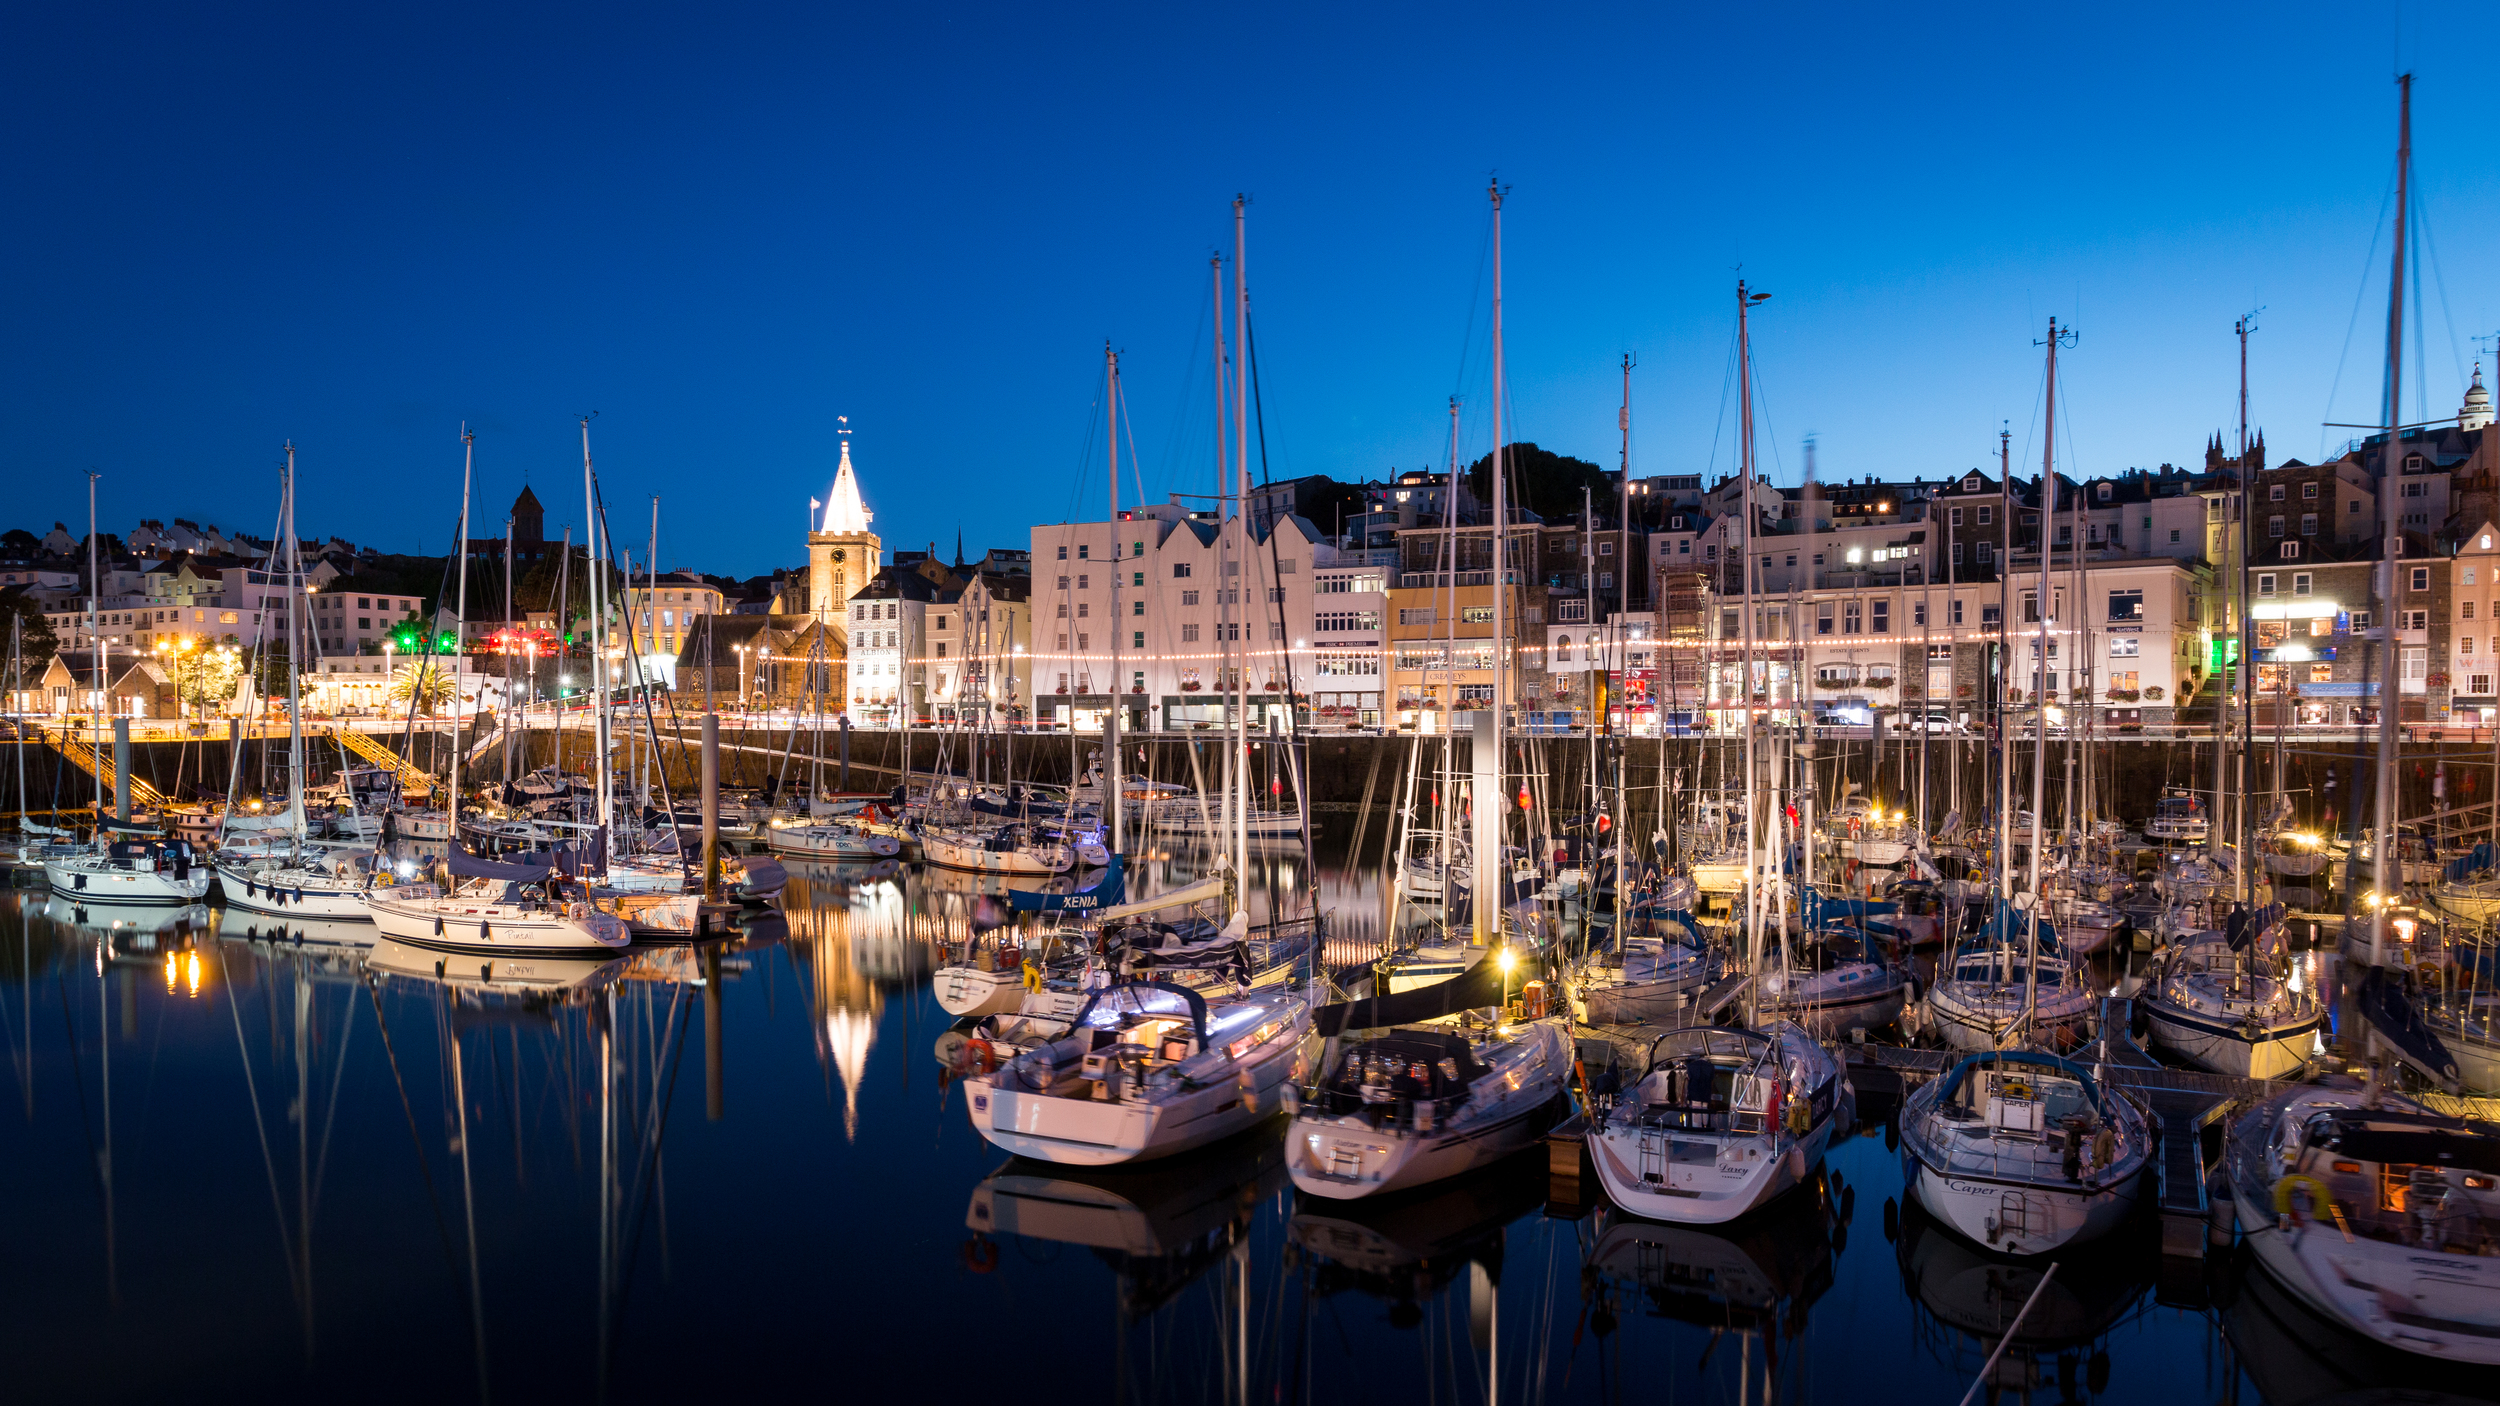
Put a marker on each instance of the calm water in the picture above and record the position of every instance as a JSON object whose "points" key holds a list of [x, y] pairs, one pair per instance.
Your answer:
{"points": [[245, 1168]]}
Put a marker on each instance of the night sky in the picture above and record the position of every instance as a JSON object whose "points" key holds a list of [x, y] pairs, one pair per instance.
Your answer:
{"points": [[722, 226]]}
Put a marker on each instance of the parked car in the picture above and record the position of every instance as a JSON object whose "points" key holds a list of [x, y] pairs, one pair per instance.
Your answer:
{"points": [[1930, 721]]}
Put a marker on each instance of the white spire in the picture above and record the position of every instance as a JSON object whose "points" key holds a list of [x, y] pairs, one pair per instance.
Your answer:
{"points": [[844, 513], [2476, 412]]}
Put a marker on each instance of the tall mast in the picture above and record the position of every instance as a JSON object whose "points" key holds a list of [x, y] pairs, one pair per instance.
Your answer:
{"points": [[2040, 673], [95, 641], [1744, 566], [460, 620], [1485, 908], [290, 545], [1111, 787], [2247, 881], [599, 548], [2005, 666], [2391, 526], [1241, 559]]}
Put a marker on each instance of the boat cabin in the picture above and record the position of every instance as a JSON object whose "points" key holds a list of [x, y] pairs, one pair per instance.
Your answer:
{"points": [[2415, 1179]]}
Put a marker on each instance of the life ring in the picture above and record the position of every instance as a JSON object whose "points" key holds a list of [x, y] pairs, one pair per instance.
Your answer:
{"points": [[980, 1056], [981, 1255], [2320, 1199]]}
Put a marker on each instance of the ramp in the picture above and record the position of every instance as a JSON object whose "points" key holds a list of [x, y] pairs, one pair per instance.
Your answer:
{"points": [[409, 774], [85, 757]]}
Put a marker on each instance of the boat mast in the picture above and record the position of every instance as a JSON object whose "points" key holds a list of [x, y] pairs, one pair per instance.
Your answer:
{"points": [[1745, 300], [95, 640], [1111, 787], [459, 622], [2245, 884], [599, 546], [1238, 799], [2040, 674], [1623, 607], [1485, 908], [2005, 669], [291, 545], [2383, 857]]}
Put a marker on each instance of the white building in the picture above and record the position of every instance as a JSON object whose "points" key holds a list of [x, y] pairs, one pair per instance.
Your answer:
{"points": [[1147, 608]]}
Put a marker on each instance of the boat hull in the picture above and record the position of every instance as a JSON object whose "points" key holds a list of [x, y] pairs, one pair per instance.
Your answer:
{"points": [[2281, 1051], [2019, 1218], [489, 929], [88, 883], [1742, 1178], [2444, 1298]]}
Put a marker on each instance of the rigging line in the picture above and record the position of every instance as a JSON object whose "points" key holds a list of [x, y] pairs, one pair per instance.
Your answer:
{"points": [[330, 1117], [277, 1204], [659, 1132], [78, 1078], [2360, 294], [451, 1257], [1475, 298], [2439, 279], [1173, 453], [1718, 427]]}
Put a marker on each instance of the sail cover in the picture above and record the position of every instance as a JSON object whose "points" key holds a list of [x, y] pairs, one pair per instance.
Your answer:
{"points": [[469, 866], [1109, 889]]}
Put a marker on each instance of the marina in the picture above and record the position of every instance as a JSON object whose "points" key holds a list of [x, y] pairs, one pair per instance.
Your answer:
{"points": [[1770, 911]]}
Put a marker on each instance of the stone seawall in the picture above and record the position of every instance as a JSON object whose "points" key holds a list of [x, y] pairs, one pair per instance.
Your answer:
{"points": [[1347, 772]]}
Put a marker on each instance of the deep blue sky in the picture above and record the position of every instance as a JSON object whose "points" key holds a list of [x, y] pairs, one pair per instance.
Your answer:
{"points": [[722, 226]]}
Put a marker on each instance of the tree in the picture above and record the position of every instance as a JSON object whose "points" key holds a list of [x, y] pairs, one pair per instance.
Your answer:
{"points": [[424, 685], [36, 641], [204, 676], [1550, 485], [18, 542]]}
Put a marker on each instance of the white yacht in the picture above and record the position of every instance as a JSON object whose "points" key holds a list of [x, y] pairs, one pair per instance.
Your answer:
{"points": [[1722, 1122], [1149, 1069], [2230, 1012], [2178, 817], [832, 841], [2023, 1152], [499, 909], [2378, 1214], [313, 883], [1411, 1106], [1641, 978], [131, 871], [1996, 985], [1834, 980], [1007, 850]]}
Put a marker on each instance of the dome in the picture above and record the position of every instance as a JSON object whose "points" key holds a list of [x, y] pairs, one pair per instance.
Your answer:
{"points": [[2476, 412]]}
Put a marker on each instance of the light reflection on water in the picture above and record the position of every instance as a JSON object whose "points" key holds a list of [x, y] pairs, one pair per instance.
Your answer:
{"points": [[250, 1156]]}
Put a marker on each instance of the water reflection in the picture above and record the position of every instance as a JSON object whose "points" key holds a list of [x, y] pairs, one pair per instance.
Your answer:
{"points": [[1971, 1299], [342, 1168]]}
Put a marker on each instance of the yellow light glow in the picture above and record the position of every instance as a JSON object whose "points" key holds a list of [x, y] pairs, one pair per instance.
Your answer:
{"points": [[169, 973], [1510, 961], [195, 974]]}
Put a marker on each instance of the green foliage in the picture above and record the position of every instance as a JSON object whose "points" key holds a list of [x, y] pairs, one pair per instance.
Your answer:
{"points": [[426, 684], [1550, 485], [36, 641]]}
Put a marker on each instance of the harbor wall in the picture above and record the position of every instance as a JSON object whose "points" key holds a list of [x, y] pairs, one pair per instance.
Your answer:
{"points": [[1350, 771]]}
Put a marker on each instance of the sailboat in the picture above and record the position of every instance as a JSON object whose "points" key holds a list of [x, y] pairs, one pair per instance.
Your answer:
{"points": [[1410, 1106], [1720, 1122], [304, 881], [121, 867]]}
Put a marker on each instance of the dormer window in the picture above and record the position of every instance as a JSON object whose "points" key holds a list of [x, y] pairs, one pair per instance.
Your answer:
{"points": [[2413, 463], [1971, 484], [2104, 491]]}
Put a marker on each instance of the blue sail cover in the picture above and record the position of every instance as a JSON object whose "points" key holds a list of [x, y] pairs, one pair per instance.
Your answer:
{"points": [[2480, 859], [1815, 910], [1110, 889], [2010, 926], [468, 866]]}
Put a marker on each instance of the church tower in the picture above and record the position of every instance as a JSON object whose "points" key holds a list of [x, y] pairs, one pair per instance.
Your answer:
{"points": [[842, 554]]}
